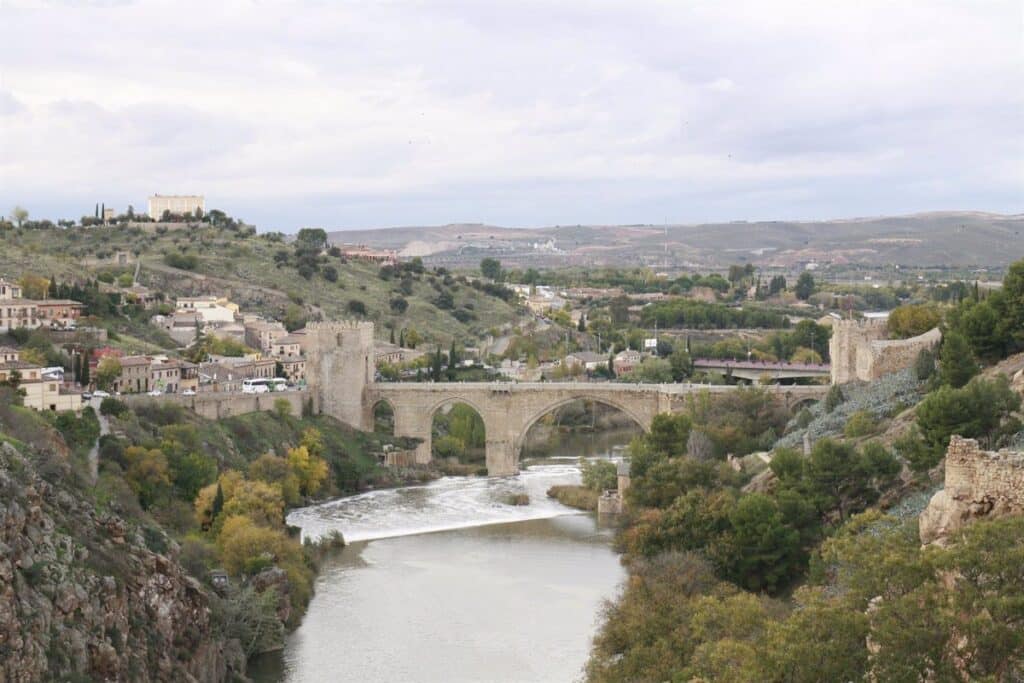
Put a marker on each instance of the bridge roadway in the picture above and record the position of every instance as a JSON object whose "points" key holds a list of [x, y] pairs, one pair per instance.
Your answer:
{"points": [[754, 371], [509, 409]]}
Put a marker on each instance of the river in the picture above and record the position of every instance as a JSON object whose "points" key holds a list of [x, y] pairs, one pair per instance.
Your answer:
{"points": [[447, 582]]}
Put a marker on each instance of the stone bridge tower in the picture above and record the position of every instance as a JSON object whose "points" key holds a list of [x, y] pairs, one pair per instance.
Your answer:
{"points": [[340, 365]]}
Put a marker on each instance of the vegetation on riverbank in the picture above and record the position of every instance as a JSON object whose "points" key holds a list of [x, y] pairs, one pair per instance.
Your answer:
{"points": [[798, 576]]}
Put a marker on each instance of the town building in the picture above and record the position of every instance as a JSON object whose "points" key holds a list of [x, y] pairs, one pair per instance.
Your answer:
{"points": [[59, 313], [219, 378], [392, 354], [589, 360], [626, 361], [41, 392], [363, 253], [210, 309], [165, 376], [9, 290], [261, 334], [7, 354], [134, 378], [176, 205]]}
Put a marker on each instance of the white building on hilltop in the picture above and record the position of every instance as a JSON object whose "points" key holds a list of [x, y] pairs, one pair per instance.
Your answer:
{"points": [[177, 204]]}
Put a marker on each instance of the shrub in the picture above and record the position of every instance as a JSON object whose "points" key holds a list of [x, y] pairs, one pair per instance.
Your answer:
{"points": [[598, 475], [861, 423], [113, 407], [924, 365], [356, 307], [834, 398]]}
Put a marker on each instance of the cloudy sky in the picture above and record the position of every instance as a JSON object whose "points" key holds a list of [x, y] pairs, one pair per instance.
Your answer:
{"points": [[368, 114]]}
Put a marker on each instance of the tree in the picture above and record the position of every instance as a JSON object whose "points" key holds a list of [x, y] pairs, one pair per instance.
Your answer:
{"points": [[311, 470], [760, 551], [581, 326], [804, 286], [33, 286], [681, 363], [833, 398], [398, 305], [491, 268], [311, 238], [913, 319], [191, 473], [598, 475], [669, 433], [19, 215], [437, 365], [147, 474], [974, 411], [259, 501], [699, 445], [957, 364], [107, 372], [356, 307]]}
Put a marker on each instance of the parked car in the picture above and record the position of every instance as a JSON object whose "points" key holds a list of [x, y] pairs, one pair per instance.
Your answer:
{"points": [[86, 395], [189, 392], [154, 392], [99, 393]]}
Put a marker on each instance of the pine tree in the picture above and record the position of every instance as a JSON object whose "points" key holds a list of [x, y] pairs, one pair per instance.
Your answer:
{"points": [[957, 364]]}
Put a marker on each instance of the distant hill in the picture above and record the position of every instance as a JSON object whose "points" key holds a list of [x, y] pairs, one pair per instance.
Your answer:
{"points": [[959, 238]]}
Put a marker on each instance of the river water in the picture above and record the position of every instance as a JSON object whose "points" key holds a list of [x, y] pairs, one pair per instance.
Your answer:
{"points": [[447, 582]]}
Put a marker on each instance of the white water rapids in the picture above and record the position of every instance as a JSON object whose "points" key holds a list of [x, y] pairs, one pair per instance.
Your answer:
{"points": [[441, 505]]}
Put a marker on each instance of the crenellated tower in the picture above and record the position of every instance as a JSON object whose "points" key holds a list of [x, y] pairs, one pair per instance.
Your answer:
{"points": [[340, 365]]}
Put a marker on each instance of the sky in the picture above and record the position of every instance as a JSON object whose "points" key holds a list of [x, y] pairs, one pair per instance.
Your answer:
{"points": [[349, 115]]}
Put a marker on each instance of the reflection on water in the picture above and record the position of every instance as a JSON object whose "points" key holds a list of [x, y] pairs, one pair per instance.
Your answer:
{"points": [[495, 593], [509, 602]]}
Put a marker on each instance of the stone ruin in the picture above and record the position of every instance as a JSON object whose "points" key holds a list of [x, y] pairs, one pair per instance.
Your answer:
{"points": [[979, 484], [860, 351]]}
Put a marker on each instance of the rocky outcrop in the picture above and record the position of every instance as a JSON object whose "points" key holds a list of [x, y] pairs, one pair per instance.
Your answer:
{"points": [[978, 484], [81, 594]]}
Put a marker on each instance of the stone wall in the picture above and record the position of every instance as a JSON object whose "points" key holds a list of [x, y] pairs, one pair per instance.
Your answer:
{"points": [[860, 351], [979, 483], [215, 406]]}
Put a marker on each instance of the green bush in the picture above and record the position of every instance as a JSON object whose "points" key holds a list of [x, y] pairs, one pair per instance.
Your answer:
{"points": [[834, 398], [860, 424], [113, 407], [598, 475]]}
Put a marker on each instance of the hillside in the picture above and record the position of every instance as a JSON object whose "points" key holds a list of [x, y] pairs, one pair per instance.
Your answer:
{"points": [[947, 238], [261, 274]]}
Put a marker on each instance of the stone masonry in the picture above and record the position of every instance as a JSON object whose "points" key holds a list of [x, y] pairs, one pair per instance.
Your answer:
{"points": [[340, 372], [339, 366], [979, 483], [860, 351]]}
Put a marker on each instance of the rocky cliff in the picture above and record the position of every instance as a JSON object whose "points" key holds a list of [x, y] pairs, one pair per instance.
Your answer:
{"points": [[85, 596]]}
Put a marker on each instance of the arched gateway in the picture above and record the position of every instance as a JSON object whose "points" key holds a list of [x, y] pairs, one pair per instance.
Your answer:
{"points": [[341, 382]]}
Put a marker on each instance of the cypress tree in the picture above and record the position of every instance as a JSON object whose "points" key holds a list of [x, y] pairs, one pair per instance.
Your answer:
{"points": [[83, 377], [401, 338], [218, 502], [392, 335]]}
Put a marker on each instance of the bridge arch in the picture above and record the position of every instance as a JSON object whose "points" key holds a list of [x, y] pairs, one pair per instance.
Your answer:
{"points": [[528, 424], [382, 416], [442, 420]]}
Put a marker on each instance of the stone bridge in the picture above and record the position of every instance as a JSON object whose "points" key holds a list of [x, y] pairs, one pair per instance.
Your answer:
{"points": [[340, 370], [509, 410]]}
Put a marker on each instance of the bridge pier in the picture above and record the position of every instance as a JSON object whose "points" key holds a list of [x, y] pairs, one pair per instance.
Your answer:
{"points": [[501, 458]]}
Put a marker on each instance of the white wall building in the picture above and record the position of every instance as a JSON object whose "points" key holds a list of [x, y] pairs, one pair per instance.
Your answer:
{"points": [[177, 204]]}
